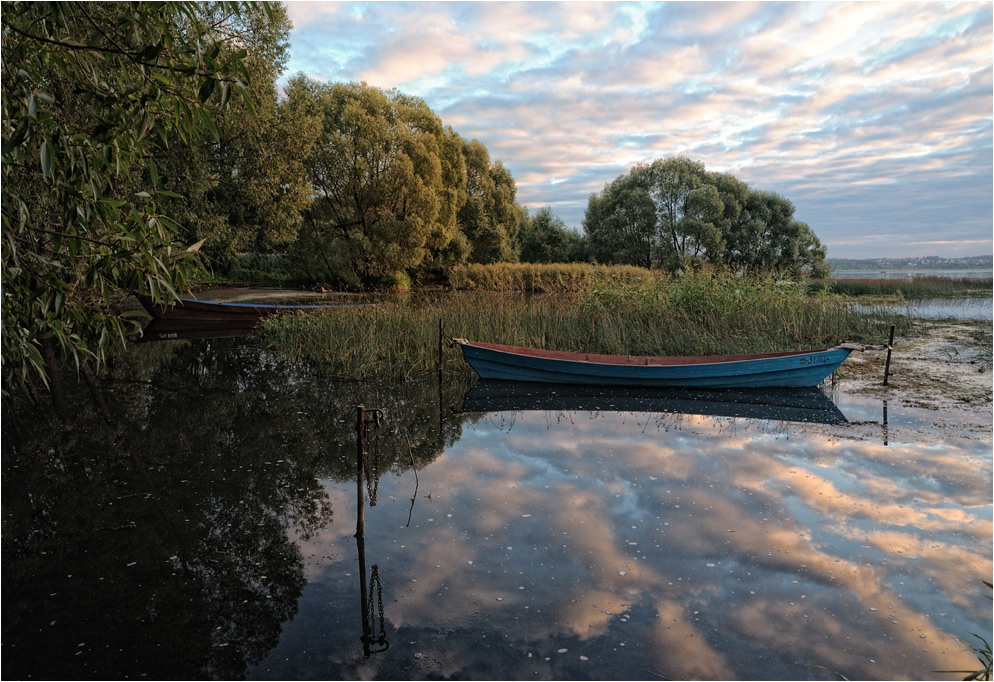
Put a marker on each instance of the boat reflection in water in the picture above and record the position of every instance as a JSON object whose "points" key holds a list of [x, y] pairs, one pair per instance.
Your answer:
{"points": [[785, 404], [176, 330]]}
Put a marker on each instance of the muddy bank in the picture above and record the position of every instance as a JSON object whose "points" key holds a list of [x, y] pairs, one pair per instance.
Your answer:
{"points": [[944, 367]]}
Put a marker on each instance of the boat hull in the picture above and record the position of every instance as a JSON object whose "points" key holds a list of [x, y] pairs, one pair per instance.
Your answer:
{"points": [[189, 309], [508, 363]]}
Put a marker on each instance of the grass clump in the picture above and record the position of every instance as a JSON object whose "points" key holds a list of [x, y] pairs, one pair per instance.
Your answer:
{"points": [[544, 278], [697, 314], [719, 313]]}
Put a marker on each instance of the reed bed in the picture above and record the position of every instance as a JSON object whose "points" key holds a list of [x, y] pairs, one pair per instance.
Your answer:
{"points": [[546, 278], [905, 289], [694, 315]]}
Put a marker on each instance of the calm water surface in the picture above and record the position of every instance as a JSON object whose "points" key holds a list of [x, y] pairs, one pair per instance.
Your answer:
{"points": [[209, 530], [909, 274], [939, 308], [962, 309]]}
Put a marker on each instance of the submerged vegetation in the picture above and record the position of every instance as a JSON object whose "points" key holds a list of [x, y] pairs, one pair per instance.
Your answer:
{"points": [[697, 314]]}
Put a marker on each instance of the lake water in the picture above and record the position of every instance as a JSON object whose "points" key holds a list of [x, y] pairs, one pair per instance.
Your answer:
{"points": [[909, 274], [941, 308], [208, 530]]}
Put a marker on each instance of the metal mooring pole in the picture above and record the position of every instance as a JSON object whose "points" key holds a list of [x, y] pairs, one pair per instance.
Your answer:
{"points": [[890, 347]]}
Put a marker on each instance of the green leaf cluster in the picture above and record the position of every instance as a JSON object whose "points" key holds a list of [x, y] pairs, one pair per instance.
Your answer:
{"points": [[394, 191], [490, 218], [546, 239], [243, 182], [90, 92], [674, 214]]}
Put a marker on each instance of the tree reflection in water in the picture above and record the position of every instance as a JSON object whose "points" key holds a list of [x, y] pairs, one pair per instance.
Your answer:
{"points": [[162, 543]]}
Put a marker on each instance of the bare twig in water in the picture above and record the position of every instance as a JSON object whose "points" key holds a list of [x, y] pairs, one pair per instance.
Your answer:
{"points": [[821, 667], [410, 451]]}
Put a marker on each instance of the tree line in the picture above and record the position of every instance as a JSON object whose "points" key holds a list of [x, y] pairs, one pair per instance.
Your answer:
{"points": [[143, 142]]}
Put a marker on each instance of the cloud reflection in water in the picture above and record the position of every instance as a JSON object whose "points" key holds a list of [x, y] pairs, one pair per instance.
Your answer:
{"points": [[682, 546]]}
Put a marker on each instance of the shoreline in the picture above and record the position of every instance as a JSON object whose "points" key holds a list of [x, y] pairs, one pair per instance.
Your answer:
{"points": [[945, 368]]}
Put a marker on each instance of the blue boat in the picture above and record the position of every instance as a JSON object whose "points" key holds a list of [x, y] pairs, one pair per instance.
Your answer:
{"points": [[764, 370]]}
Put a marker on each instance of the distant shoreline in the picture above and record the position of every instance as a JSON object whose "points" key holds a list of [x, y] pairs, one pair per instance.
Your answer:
{"points": [[925, 265], [908, 273]]}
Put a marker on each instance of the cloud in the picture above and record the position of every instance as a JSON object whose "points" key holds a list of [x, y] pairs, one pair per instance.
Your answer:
{"points": [[811, 100]]}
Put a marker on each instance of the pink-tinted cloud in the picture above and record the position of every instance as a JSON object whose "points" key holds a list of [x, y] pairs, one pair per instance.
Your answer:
{"points": [[812, 100]]}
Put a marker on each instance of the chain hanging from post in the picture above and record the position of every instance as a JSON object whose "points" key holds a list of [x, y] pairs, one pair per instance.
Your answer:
{"points": [[370, 443], [379, 639]]}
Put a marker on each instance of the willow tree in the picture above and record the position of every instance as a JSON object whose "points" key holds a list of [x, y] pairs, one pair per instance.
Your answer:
{"points": [[664, 213], [688, 212], [779, 242], [490, 216], [620, 223], [244, 183], [89, 90], [674, 213], [387, 179], [546, 239]]}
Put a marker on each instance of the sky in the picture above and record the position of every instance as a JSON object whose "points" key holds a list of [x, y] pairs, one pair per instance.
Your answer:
{"points": [[873, 118]]}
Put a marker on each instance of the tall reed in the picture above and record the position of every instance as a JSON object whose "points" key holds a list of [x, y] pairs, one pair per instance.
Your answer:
{"points": [[544, 278], [702, 314]]}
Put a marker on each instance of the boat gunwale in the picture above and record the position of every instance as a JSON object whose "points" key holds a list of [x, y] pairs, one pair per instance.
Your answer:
{"points": [[193, 303], [635, 360], [194, 309], [186, 302]]}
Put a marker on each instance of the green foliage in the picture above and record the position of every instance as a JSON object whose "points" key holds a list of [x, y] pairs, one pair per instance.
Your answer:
{"points": [[546, 239], [688, 211], [245, 187], [388, 180], [620, 224], [90, 90], [489, 217], [253, 269], [674, 214]]}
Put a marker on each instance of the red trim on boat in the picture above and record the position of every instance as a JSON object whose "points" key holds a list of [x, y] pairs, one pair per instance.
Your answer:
{"points": [[633, 359]]}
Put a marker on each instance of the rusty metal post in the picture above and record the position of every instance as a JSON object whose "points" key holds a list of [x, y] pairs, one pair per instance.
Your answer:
{"points": [[890, 347]]}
